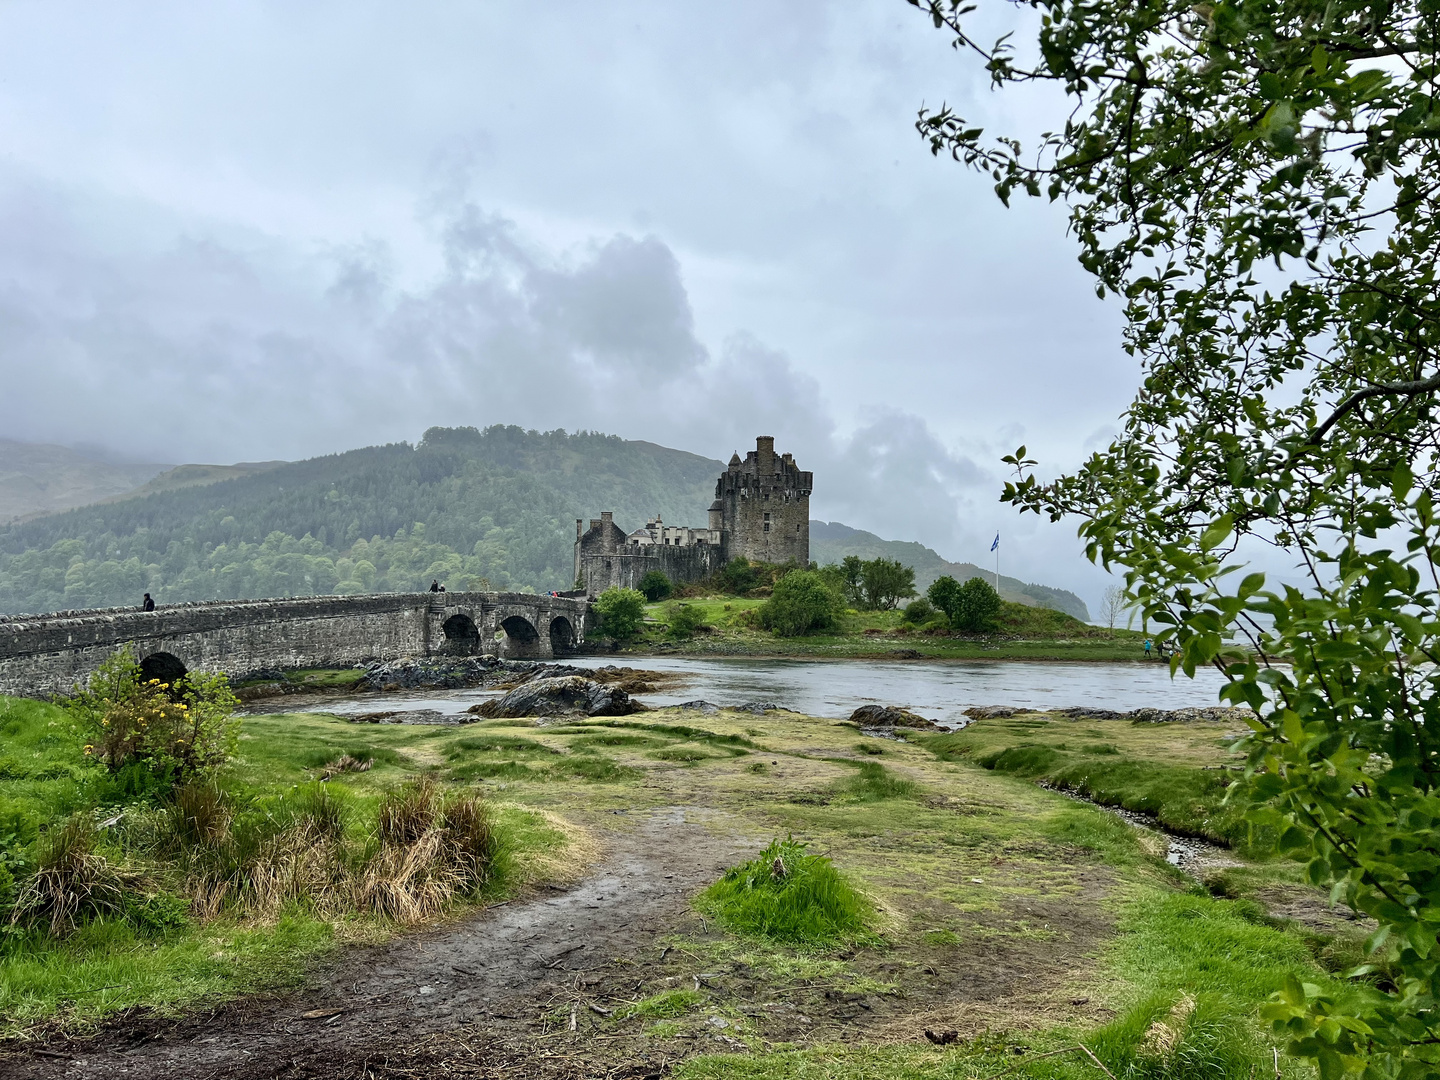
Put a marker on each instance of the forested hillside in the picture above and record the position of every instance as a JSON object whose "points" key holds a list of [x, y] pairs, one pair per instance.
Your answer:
{"points": [[468, 507], [830, 541]]}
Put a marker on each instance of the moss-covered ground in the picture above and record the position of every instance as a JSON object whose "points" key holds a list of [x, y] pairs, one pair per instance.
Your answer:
{"points": [[1019, 919], [1023, 633]]}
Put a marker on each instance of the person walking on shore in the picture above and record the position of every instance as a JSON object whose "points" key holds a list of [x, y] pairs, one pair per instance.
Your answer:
{"points": [[1147, 648], [147, 604]]}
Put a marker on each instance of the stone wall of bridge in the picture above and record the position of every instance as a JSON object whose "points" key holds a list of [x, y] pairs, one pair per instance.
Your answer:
{"points": [[48, 654]]}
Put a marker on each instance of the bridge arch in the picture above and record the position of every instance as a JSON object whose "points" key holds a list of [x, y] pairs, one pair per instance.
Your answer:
{"points": [[562, 636], [462, 636], [521, 638], [167, 667]]}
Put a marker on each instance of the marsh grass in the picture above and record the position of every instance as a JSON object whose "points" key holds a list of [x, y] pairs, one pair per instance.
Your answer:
{"points": [[1123, 771], [790, 896]]}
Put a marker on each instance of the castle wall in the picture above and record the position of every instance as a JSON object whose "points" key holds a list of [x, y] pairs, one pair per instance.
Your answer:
{"points": [[624, 567], [49, 654]]}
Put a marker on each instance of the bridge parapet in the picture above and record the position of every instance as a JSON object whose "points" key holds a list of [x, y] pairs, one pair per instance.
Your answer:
{"points": [[48, 654]]}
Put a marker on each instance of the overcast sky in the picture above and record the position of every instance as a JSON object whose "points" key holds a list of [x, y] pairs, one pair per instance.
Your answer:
{"points": [[244, 231]]}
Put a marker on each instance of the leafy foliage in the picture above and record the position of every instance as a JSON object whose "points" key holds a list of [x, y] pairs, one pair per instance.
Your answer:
{"points": [[1257, 183], [621, 611], [790, 896], [885, 582], [802, 603], [738, 576], [920, 611], [655, 585], [972, 608]]}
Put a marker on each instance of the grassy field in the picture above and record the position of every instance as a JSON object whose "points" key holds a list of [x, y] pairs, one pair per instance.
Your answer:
{"points": [[1007, 913], [1024, 633]]}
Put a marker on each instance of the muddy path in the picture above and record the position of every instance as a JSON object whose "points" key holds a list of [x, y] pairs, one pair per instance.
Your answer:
{"points": [[388, 1010]]}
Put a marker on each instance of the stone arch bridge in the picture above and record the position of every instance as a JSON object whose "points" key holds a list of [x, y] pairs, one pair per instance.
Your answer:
{"points": [[48, 654]]}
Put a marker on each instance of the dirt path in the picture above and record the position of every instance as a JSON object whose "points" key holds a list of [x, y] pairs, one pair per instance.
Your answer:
{"points": [[490, 974]]}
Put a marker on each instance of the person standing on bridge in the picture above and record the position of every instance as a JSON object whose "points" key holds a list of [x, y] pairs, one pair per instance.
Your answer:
{"points": [[435, 585], [147, 604]]}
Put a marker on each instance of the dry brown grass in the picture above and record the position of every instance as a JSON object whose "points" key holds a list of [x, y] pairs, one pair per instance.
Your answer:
{"points": [[72, 882], [430, 852], [345, 764]]}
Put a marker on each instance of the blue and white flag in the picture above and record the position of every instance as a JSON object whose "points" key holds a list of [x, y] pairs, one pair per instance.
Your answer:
{"points": [[996, 544]]}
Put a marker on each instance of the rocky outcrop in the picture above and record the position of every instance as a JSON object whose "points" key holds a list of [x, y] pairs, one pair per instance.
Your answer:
{"points": [[883, 716], [568, 695], [452, 673], [1212, 714]]}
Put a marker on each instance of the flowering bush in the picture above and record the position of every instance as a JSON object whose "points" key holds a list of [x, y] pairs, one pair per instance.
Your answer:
{"points": [[179, 728]]}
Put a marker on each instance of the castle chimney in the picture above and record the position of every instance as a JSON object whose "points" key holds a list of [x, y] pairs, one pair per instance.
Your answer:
{"points": [[578, 530], [607, 517], [765, 444]]}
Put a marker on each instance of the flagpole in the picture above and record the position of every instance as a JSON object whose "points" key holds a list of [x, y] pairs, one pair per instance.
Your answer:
{"points": [[997, 564]]}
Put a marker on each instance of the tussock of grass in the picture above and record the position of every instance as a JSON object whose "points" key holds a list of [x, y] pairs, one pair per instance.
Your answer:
{"points": [[874, 783], [72, 883], [788, 895]]}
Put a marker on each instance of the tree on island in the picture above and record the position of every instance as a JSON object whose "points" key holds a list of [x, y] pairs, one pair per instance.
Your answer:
{"points": [[885, 582], [1114, 604], [971, 607], [1257, 183]]}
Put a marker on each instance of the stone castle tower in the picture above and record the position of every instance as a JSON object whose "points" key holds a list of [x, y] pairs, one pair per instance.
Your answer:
{"points": [[762, 506], [761, 511]]}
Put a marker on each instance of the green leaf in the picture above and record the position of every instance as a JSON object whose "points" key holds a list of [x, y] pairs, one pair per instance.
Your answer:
{"points": [[1217, 533]]}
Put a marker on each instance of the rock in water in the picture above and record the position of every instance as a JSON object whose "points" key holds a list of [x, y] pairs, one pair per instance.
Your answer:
{"points": [[567, 695], [875, 716]]}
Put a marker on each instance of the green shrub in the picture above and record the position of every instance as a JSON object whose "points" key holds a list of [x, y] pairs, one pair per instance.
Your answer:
{"points": [[738, 576], [918, 612], [622, 613], [177, 729], [788, 896], [684, 620], [801, 604], [656, 586]]}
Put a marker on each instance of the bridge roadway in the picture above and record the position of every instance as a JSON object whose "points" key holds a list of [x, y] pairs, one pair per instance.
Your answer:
{"points": [[42, 655]]}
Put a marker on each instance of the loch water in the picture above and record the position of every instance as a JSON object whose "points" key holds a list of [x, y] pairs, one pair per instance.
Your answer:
{"points": [[936, 689]]}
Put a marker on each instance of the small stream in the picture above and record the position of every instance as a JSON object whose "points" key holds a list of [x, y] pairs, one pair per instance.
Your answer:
{"points": [[1190, 854]]}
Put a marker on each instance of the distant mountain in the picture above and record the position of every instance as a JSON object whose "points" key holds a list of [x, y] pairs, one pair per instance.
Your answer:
{"points": [[831, 541], [41, 479], [183, 476]]}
